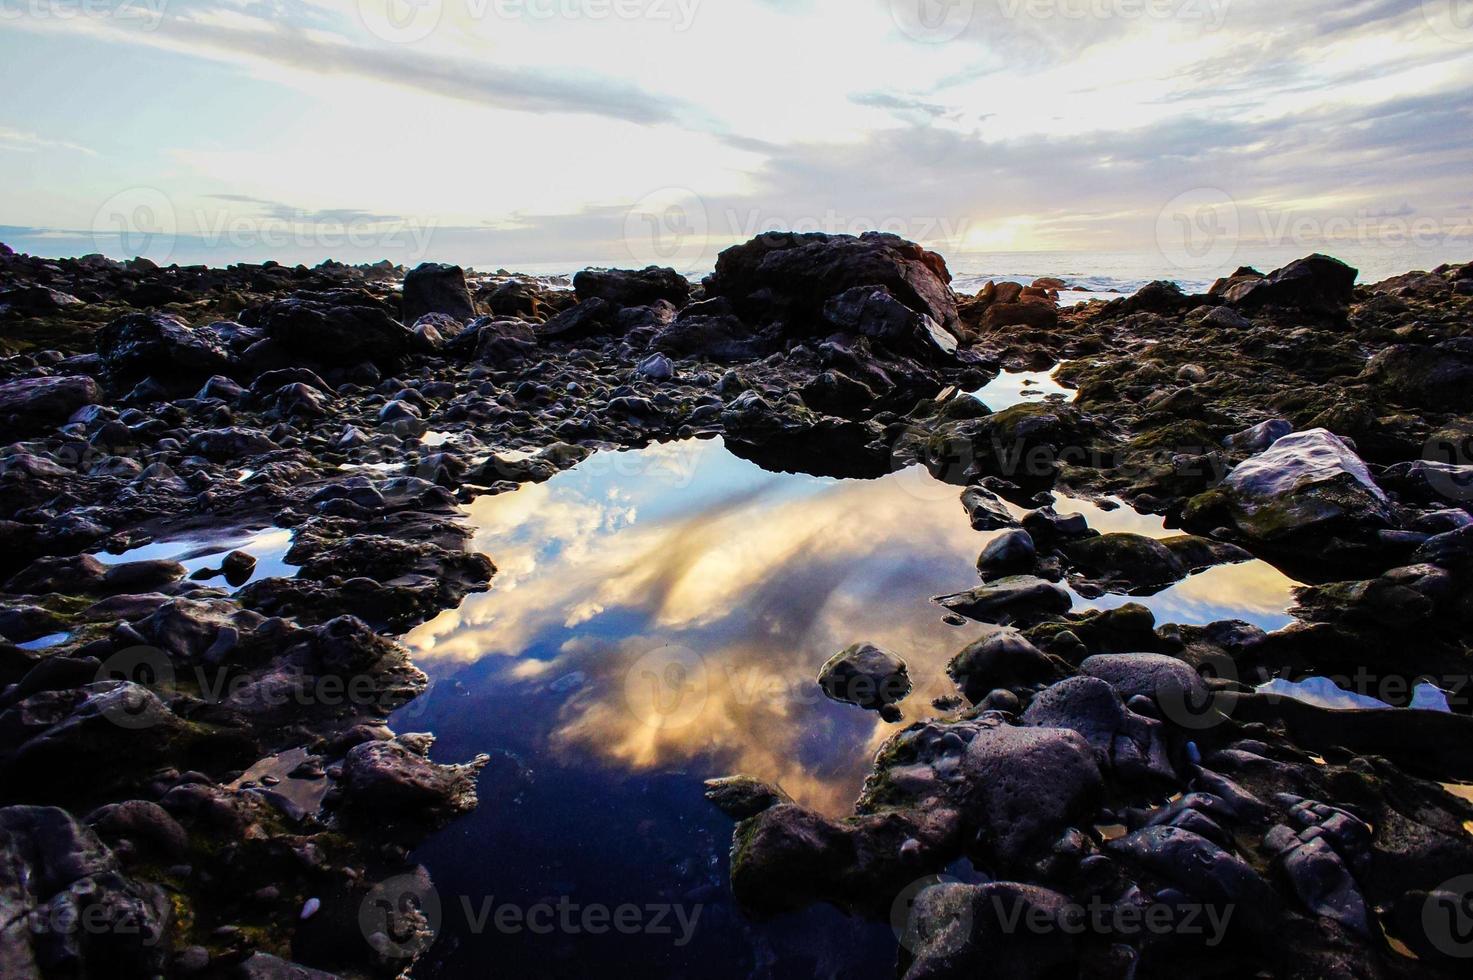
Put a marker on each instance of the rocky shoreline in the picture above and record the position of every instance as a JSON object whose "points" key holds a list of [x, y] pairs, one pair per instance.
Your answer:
{"points": [[1091, 760]]}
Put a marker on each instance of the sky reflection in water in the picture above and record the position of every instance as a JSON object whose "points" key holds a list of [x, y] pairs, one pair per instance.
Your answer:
{"points": [[679, 602], [659, 617]]}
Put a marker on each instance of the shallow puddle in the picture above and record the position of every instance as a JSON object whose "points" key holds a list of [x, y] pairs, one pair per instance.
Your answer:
{"points": [[1015, 387], [658, 618], [1324, 692], [267, 545]]}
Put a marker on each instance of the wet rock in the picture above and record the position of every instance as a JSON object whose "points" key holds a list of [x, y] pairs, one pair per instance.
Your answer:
{"points": [[81, 573], [186, 629], [1259, 437], [873, 311], [866, 676], [1120, 562], [656, 367], [1437, 377], [390, 779], [235, 442], [1001, 660], [1151, 675], [1010, 553], [985, 510], [1122, 740], [741, 797], [160, 346], [54, 875], [120, 728], [1204, 871], [264, 966], [710, 329], [787, 857], [435, 288], [791, 277], [340, 330], [1307, 484], [1014, 599], [33, 405], [141, 576], [143, 823], [34, 301], [956, 930], [629, 287], [1022, 787], [1315, 284]]}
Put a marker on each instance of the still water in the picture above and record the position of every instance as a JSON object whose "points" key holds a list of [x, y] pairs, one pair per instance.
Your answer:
{"points": [[658, 618]]}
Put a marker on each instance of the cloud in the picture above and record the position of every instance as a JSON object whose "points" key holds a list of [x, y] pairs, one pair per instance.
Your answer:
{"points": [[292, 36], [25, 142]]}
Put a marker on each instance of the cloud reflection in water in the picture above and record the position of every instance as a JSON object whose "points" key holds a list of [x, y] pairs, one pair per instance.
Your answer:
{"points": [[684, 600]]}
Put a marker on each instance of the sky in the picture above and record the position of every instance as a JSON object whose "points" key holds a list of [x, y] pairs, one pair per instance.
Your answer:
{"points": [[547, 135]]}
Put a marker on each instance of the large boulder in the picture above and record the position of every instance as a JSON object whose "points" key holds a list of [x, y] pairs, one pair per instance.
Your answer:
{"points": [[633, 287], [1004, 659], [435, 288], [160, 346], [1314, 284], [790, 278], [1123, 741], [336, 333], [1439, 377], [1024, 787], [32, 405], [1306, 484], [873, 311]]}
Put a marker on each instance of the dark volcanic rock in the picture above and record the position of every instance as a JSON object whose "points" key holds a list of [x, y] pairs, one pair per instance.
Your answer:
{"points": [[435, 288], [1439, 377], [1306, 484], [1314, 284], [791, 277], [865, 675], [336, 333], [31, 405], [160, 346], [632, 287]]}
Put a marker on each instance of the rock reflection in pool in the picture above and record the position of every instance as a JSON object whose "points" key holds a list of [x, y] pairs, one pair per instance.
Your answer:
{"points": [[659, 617], [267, 545]]}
